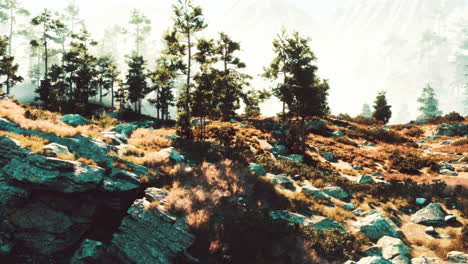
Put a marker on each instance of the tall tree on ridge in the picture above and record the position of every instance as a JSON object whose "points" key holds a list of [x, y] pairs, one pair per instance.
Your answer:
{"points": [[136, 81], [142, 27], [429, 103], [8, 68]]}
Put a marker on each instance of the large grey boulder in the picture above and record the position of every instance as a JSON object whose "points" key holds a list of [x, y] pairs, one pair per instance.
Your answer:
{"points": [[75, 120], [38, 172], [425, 260], [432, 214], [393, 247], [90, 251], [376, 226], [54, 149], [336, 192], [149, 236], [373, 260], [457, 257], [282, 180]]}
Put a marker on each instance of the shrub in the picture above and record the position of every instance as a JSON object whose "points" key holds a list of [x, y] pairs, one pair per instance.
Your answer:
{"points": [[410, 163], [104, 120], [379, 134], [451, 117], [414, 132]]}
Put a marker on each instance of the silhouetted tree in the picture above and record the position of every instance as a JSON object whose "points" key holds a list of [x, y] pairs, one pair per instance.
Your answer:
{"points": [[382, 111], [8, 69], [136, 81], [429, 103]]}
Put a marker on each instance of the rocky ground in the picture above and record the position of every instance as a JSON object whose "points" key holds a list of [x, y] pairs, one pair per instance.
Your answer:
{"points": [[101, 190]]}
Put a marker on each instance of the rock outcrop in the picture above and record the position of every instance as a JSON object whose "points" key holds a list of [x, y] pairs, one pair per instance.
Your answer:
{"points": [[75, 120], [457, 257], [376, 226], [336, 191], [432, 214]]}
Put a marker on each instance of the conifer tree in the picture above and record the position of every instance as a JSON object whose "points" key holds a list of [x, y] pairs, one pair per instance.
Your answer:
{"points": [[366, 111], [8, 68], [298, 85], [107, 72], [142, 27], [136, 81], [382, 111], [429, 103], [188, 21], [163, 79]]}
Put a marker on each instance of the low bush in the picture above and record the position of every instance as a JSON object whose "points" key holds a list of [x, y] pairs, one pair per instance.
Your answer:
{"points": [[414, 132], [410, 163]]}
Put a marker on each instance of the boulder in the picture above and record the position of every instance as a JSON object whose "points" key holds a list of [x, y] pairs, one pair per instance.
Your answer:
{"points": [[289, 217], [149, 236], [338, 134], [457, 257], [155, 194], [400, 260], [447, 166], [374, 251], [54, 149], [90, 251], [172, 154], [311, 191], [421, 201], [365, 179], [373, 260], [327, 224], [282, 180], [257, 169], [376, 226], [120, 181], [432, 214], [430, 230], [125, 129], [117, 138], [393, 247], [425, 260], [38, 172], [447, 172], [329, 156], [358, 212], [349, 206], [296, 158], [75, 120], [280, 150], [451, 130], [336, 191], [357, 167]]}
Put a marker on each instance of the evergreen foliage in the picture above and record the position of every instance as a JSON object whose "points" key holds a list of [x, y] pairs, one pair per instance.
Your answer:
{"points": [[382, 111], [429, 103]]}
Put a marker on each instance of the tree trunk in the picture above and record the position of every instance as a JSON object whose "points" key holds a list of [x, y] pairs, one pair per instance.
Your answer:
{"points": [[112, 93], [189, 63]]}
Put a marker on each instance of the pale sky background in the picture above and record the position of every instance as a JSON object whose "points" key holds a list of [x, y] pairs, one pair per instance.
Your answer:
{"points": [[362, 46]]}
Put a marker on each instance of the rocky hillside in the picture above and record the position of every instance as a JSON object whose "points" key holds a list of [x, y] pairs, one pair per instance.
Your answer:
{"points": [[98, 189]]}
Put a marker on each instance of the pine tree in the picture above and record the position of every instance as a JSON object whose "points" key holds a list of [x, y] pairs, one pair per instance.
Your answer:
{"points": [[382, 111], [252, 100], [8, 69], [107, 72], [121, 95], [230, 80], [163, 79], [136, 81], [366, 111], [188, 21], [429, 103], [10, 9], [298, 85], [142, 27]]}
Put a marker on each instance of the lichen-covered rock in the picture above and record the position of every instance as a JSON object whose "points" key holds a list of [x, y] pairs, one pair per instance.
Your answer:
{"points": [[156, 194], [38, 172], [457, 257], [432, 214], [400, 260], [311, 191], [392, 247], [451, 130], [125, 129], [376, 226], [149, 236], [328, 223], [257, 169], [54, 149], [365, 179], [90, 251], [374, 251], [120, 180], [75, 120], [172, 154], [373, 260], [282, 180], [336, 191], [116, 138], [291, 218]]}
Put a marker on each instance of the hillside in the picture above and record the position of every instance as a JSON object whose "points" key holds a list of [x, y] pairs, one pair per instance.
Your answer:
{"points": [[105, 188]]}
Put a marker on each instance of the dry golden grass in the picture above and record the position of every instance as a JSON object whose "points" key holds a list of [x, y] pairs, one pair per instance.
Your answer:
{"points": [[87, 161], [62, 156], [33, 143], [428, 178], [121, 165], [153, 205], [458, 148], [199, 220], [15, 113], [149, 140], [154, 159]]}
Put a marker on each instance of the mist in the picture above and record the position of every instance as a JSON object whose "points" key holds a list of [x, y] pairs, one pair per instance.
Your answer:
{"points": [[362, 46]]}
